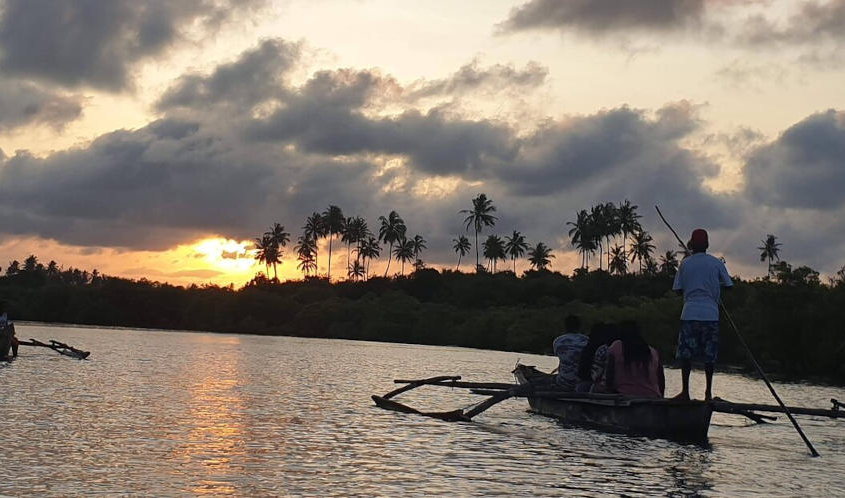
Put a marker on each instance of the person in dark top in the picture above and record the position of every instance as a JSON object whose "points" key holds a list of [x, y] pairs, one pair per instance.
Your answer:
{"points": [[594, 356]]}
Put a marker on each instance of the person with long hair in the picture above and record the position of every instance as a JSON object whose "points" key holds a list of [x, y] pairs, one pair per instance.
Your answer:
{"points": [[594, 356], [633, 367]]}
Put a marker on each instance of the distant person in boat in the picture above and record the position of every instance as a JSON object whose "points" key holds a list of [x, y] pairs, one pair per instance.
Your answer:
{"points": [[699, 279], [633, 367], [5, 323], [594, 356], [568, 349]]}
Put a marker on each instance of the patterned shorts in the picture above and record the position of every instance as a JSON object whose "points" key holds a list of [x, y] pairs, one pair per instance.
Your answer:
{"points": [[698, 339]]}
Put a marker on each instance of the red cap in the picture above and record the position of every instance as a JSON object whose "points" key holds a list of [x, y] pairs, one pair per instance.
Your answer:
{"points": [[699, 240]]}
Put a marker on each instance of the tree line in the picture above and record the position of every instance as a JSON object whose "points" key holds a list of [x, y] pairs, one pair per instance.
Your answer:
{"points": [[792, 320]]}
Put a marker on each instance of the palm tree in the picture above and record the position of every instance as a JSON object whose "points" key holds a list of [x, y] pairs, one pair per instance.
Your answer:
{"points": [[354, 232], [392, 230], [539, 256], [618, 261], [461, 247], [669, 263], [357, 270], [641, 247], [280, 238], [770, 248], [479, 217], [494, 250], [369, 250], [581, 236], [404, 252], [628, 220], [315, 229], [515, 247], [264, 251], [334, 220], [613, 226], [419, 244], [306, 250], [599, 227]]}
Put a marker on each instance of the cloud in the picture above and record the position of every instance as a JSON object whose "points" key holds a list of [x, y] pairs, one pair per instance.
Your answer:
{"points": [[600, 17], [804, 167], [23, 103], [257, 75], [473, 78], [96, 43], [811, 23]]}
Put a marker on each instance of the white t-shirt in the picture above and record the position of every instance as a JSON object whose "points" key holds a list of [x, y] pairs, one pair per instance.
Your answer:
{"points": [[701, 277]]}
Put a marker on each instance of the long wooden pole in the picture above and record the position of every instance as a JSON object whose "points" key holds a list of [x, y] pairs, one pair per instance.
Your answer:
{"points": [[813, 451]]}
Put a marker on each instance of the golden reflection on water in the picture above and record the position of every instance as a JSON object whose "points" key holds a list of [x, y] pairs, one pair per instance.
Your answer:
{"points": [[214, 423]]}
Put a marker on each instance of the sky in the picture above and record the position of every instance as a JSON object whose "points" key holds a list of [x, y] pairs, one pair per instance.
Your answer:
{"points": [[158, 139]]}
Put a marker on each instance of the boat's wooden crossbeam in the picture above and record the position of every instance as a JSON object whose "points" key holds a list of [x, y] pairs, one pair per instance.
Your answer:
{"points": [[730, 407]]}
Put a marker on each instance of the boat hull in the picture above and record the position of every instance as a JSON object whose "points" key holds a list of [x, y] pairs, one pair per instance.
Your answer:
{"points": [[681, 421]]}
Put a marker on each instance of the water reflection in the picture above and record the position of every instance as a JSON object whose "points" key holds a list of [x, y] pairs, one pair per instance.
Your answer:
{"points": [[164, 414]]}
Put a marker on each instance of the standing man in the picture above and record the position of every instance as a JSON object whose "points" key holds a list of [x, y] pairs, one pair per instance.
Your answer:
{"points": [[700, 279], [568, 349]]}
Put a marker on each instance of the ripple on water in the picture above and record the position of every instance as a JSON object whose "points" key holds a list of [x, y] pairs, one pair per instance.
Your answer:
{"points": [[172, 414]]}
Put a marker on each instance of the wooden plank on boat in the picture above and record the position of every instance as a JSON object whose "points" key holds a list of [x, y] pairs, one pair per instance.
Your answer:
{"points": [[730, 407]]}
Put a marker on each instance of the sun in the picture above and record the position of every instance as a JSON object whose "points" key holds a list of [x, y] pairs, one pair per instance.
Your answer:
{"points": [[226, 254]]}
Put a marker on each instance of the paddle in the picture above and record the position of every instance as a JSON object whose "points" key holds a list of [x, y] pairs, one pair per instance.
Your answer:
{"points": [[813, 451]]}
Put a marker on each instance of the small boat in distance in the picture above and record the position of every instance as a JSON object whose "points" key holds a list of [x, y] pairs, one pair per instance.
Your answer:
{"points": [[681, 421]]}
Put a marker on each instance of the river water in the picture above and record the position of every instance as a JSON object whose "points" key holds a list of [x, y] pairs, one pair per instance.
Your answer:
{"points": [[157, 413]]}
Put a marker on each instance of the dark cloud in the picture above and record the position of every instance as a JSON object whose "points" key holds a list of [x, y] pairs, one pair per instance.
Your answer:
{"points": [[811, 23], [473, 78], [257, 75], [23, 103], [804, 167], [95, 42], [601, 17], [326, 116]]}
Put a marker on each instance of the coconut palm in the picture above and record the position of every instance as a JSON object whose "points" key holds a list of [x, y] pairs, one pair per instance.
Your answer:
{"points": [[315, 229], [392, 230], [628, 220], [368, 251], [306, 251], [479, 217], [404, 252], [334, 220], [265, 251], [612, 226], [494, 250], [539, 256], [281, 238], [461, 247], [641, 247], [357, 270], [515, 247], [618, 260], [581, 236], [599, 228], [771, 250], [669, 263], [418, 244]]}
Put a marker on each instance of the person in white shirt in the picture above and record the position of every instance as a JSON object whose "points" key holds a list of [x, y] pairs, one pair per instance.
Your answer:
{"points": [[700, 279]]}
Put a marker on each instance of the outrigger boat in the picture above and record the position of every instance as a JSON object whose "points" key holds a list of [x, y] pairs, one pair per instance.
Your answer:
{"points": [[680, 421]]}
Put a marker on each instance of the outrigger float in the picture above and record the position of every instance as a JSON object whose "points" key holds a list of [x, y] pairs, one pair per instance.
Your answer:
{"points": [[680, 421]]}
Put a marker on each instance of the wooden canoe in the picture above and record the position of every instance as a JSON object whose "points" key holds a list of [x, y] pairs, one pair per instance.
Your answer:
{"points": [[681, 421]]}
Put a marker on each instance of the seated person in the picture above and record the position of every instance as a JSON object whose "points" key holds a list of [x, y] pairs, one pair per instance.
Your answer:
{"points": [[568, 349], [594, 356], [633, 367]]}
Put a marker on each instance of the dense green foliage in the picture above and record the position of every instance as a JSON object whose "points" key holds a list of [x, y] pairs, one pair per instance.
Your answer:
{"points": [[794, 324]]}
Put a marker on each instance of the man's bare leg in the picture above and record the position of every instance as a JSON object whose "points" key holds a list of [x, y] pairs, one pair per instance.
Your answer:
{"points": [[686, 368], [708, 372]]}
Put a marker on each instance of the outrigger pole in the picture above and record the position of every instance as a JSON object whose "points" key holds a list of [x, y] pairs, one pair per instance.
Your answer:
{"points": [[813, 451]]}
